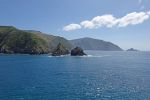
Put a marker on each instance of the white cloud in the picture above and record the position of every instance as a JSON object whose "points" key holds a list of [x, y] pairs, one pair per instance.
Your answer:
{"points": [[87, 24], [110, 21], [71, 27], [132, 19], [105, 20]]}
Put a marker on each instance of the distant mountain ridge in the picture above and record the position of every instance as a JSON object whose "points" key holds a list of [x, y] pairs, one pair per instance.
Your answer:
{"points": [[95, 44]]}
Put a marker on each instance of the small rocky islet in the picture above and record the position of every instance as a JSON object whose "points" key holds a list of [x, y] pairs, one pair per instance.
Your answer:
{"points": [[132, 49], [62, 50], [77, 51]]}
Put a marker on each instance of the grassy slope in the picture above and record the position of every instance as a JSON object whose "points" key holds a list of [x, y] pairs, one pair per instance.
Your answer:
{"points": [[53, 41], [13, 40]]}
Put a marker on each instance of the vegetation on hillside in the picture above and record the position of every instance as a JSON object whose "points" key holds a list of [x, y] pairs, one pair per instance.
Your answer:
{"points": [[13, 40]]}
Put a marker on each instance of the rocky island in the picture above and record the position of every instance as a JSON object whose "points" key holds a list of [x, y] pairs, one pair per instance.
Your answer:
{"points": [[60, 50], [132, 49], [77, 51]]}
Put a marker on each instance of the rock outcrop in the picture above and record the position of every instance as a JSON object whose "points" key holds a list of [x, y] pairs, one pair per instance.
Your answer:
{"points": [[77, 52], [60, 50], [132, 49]]}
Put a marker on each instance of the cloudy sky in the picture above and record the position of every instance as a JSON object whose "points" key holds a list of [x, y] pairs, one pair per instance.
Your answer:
{"points": [[123, 22]]}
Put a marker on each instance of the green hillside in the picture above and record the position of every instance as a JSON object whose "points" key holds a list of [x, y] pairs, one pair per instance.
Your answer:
{"points": [[13, 40]]}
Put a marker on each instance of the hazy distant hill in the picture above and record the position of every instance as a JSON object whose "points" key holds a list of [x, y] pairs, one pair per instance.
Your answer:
{"points": [[13, 40], [95, 44]]}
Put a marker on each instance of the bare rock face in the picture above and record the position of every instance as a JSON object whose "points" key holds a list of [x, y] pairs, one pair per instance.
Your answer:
{"points": [[60, 50], [77, 52]]}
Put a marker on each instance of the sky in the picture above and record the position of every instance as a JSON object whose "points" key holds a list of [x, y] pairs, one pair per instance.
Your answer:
{"points": [[122, 22]]}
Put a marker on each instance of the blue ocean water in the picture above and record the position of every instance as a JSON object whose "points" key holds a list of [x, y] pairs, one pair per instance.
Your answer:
{"points": [[99, 76]]}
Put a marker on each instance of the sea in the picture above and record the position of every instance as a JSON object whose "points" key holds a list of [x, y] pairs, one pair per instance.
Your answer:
{"points": [[101, 75]]}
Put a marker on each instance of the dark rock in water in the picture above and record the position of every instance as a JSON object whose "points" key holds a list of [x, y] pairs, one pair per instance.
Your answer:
{"points": [[60, 50], [77, 52], [132, 49]]}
